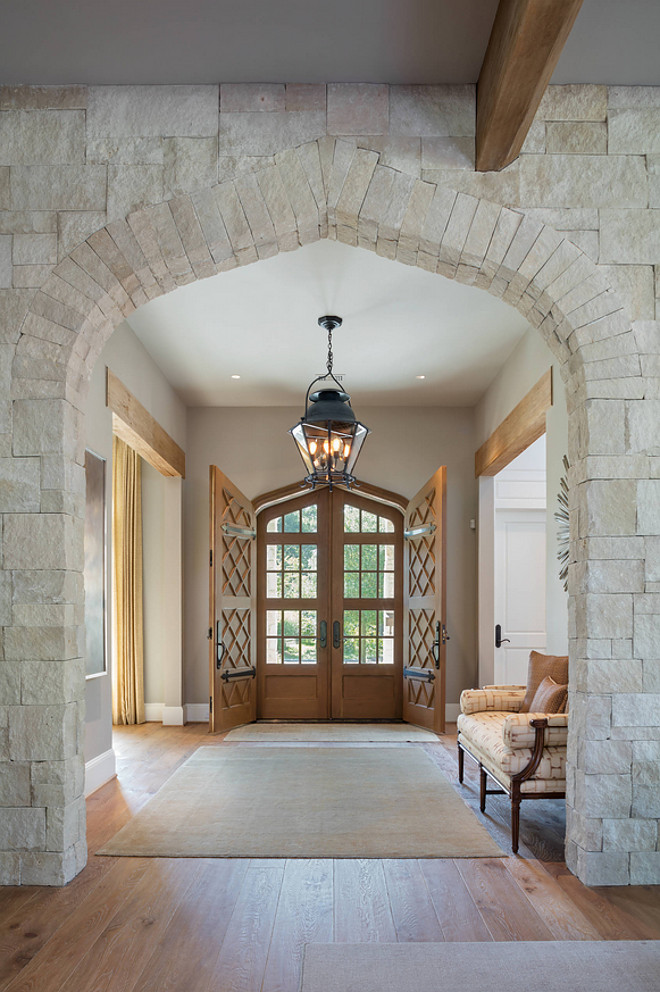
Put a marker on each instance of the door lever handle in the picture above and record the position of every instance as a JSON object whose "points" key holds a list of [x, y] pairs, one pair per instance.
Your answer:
{"points": [[336, 634], [323, 634], [499, 640]]}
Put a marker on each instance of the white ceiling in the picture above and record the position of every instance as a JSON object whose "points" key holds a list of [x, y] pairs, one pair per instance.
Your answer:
{"points": [[384, 41], [260, 322]]}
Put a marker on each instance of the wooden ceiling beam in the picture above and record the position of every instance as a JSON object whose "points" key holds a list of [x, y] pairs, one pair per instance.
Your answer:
{"points": [[523, 50]]}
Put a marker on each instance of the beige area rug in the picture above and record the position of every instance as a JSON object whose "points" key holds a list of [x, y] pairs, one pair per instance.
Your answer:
{"points": [[543, 966], [350, 733], [298, 802]]}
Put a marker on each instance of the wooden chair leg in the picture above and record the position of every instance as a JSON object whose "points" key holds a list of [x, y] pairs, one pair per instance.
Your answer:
{"points": [[482, 788], [515, 822], [461, 761]]}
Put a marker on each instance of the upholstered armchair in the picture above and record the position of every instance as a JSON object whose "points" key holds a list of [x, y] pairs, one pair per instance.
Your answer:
{"points": [[523, 753]]}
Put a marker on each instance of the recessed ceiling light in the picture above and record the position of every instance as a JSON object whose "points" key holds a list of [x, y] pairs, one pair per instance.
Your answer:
{"points": [[236, 377], [420, 377]]}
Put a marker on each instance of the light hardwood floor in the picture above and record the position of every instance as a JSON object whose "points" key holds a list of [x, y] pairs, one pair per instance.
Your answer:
{"points": [[220, 925]]}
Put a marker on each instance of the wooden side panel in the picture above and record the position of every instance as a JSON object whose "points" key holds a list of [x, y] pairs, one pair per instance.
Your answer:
{"points": [[135, 425], [524, 425], [425, 606], [232, 589]]}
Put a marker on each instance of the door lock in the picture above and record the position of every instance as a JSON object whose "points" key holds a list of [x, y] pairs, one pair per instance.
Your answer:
{"points": [[323, 634], [336, 634], [499, 640]]}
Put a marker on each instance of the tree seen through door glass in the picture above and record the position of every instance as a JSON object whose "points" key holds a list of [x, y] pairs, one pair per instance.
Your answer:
{"points": [[291, 637], [368, 637]]}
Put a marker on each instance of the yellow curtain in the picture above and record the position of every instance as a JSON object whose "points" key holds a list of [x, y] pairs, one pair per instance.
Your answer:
{"points": [[128, 683]]}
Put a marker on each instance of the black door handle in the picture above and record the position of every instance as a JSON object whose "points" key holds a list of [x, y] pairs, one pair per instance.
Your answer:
{"points": [[336, 634], [499, 640], [323, 634]]}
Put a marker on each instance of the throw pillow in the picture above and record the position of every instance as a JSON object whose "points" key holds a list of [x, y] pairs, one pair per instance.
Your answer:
{"points": [[540, 665], [549, 697]]}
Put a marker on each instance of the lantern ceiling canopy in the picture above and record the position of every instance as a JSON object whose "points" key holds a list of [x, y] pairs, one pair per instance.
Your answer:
{"points": [[329, 436]]}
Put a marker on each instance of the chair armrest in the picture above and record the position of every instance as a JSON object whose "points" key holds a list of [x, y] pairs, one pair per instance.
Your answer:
{"points": [[492, 698], [517, 731]]}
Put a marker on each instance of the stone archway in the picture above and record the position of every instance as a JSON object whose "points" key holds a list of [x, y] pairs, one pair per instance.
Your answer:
{"points": [[326, 188]]}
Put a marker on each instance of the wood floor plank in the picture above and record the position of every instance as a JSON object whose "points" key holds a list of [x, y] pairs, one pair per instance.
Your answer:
{"points": [[238, 926], [362, 905], [186, 955], [28, 930], [507, 913], [304, 916], [455, 908], [412, 908], [564, 920], [639, 902], [609, 919], [71, 941], [241, 963], [124, 946]]}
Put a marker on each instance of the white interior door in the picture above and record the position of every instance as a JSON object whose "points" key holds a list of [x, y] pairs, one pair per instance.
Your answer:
{"points": [[519, 590]]}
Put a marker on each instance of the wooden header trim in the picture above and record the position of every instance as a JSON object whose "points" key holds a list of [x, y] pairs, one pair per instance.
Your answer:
{"points": [[523, 50], [522, 427], [135, 425], [295, 489]]}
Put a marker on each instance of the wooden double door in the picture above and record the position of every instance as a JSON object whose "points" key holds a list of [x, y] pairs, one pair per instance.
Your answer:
{"points": [[330, 614], [320, 611]]}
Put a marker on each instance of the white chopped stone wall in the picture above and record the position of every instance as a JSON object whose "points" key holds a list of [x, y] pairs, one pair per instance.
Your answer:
{"points": [[110, 196]]}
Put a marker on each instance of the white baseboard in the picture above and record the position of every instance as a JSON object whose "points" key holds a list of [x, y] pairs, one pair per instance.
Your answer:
{"points": [[451, 712], [153, 712], [99, 770], [196, 712], [172, 716], [176, 716]]}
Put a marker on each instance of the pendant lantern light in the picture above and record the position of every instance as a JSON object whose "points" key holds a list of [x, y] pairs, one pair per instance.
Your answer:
{"points": [[329, 436]]}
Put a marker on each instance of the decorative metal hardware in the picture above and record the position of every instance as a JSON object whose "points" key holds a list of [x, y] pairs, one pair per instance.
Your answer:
{"points": [[210, 634], [336, 634], [323, 634], [445, 635], [420, 531], [239, 673], [425, 674], [499, 640], [220, 648], [435, 647], [233, 530]]}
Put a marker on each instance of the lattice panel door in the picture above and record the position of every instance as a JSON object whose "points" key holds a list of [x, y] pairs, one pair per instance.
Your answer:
{"points": [[232, 630], [425, 567]]}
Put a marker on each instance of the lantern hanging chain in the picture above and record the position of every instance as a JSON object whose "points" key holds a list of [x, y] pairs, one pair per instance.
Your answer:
{"points": [[328, 364]]}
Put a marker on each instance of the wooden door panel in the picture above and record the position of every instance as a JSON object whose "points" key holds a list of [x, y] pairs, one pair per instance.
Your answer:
{"points": [[232, 586], [293, 564], [425, 568], [367, 591]]}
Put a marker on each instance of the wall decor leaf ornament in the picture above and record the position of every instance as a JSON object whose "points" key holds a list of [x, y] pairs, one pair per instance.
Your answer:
{"points": [[561, 516]]}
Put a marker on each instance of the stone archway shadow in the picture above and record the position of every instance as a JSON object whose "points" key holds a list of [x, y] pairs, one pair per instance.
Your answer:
{"points": [[322, 189]]}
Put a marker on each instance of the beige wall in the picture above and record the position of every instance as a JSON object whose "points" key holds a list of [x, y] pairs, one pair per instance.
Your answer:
{"points": [[128, 359], [420, 439], [528, 362]]}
